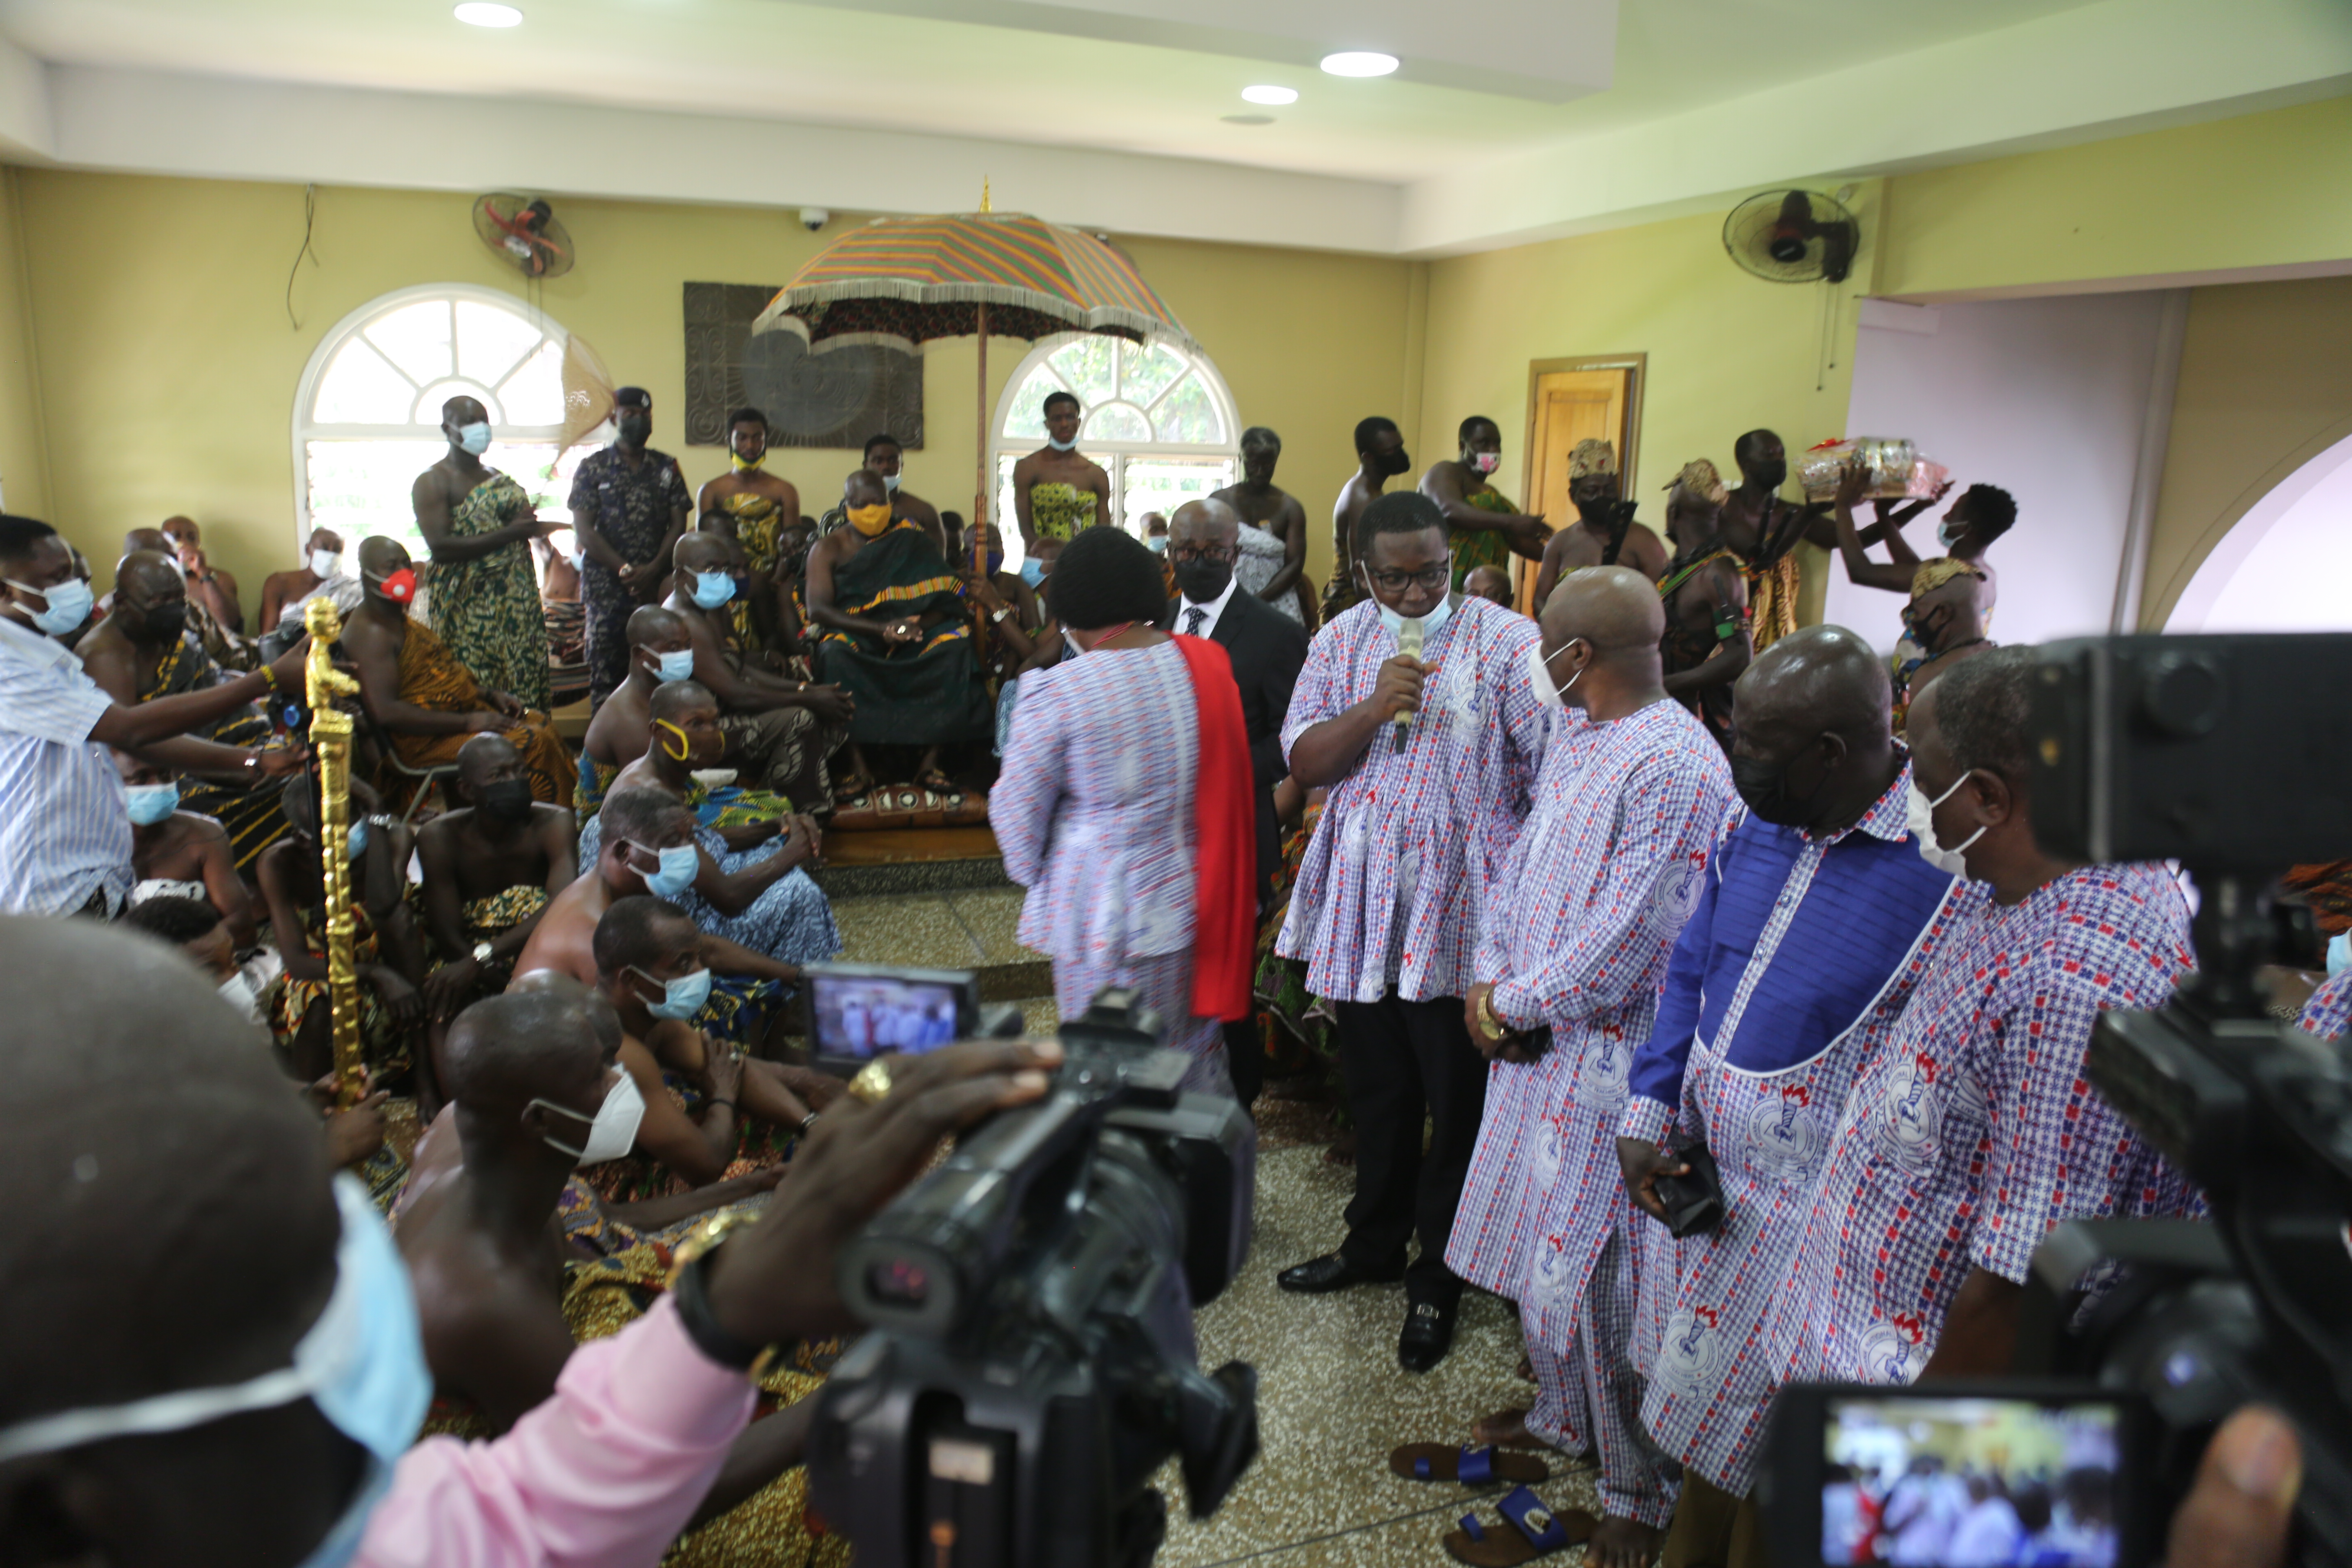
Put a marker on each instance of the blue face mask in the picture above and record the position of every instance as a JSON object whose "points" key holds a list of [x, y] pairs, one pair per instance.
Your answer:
{"points": [[995, 562], [1033, 570], [676, 666], [68, 604], [1429, 623], [679, 863], [362, 1364], [1158, 546], [712, 589], [358, 839], [682, 997], [151, 804], [1061, 445]]}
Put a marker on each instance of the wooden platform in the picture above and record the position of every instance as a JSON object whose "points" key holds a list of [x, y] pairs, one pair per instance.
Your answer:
{"points": [[900, 846]]}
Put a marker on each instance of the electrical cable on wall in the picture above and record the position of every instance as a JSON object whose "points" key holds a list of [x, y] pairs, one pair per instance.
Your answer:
{"points": [[310, 220]]}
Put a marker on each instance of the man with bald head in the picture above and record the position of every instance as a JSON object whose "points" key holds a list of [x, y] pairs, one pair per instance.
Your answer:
{"points": [[228, 649], [424, 697], [490, 865], [781, 732], [259, 1406], [891, 632], [661, 648], [1267, 649], [1801, 947], [1573, 943], [481, 590], [141, 652]]}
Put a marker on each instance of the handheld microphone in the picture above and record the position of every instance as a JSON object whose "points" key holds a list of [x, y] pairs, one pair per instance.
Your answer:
{"points": [[1409, 645]]}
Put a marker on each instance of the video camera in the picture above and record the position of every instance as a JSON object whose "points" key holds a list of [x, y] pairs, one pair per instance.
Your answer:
{"points": [[2204, 749], [1031, 1361]]}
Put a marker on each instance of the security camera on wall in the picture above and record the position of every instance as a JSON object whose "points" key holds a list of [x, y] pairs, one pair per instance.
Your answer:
{"points": [[814, 218]]}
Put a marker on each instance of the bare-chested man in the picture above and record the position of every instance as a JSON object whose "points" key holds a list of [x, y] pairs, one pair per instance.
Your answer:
{"points": [[322, 559], [529, 1072], [1971, 525], [886, 457], [1704, 589], [1482, 525], [661, 648], [1491, 583], [1604, 532], [755, 507], [1270, 511], [1056, 494], [489, 867], [781, 732], [478, 525], [207, 583], [1379, 457]]}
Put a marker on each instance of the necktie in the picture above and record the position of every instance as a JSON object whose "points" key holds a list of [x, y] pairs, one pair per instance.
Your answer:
{"points": [[1193, 617]]}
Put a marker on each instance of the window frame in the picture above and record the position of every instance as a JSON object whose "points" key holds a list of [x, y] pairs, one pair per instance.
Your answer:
{"points": [[1111, 456], [306, 430]]}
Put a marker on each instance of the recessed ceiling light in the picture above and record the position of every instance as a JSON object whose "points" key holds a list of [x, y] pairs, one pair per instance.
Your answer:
{"points": [[1246, 119], [1359, 62], [484, 14], [1271, 94]]}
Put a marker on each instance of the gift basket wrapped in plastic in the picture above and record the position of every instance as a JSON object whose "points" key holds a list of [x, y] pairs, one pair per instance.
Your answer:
{"points": [[1897, 468]]}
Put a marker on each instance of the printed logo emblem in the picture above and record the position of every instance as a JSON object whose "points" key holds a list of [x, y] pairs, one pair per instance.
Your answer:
{"points": [[1693, 1348], [1679, 887], [1600, 1077], [1892, 1350], [1783, 1134], [1909, 1131]]}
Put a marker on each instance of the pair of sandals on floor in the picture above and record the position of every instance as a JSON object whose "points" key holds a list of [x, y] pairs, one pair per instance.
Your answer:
{"points": [[1535, 1530]]}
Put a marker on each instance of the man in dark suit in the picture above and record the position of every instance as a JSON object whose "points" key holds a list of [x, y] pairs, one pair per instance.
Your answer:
{"points": [[1267, 649]]}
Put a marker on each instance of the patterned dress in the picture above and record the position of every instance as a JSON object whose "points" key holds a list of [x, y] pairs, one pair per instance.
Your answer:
{"points": [[1094, 813], [1057, 510], [759, 525], [1477, 547], [383, 1045], [431, 677], [632, 508], [1262, 557], [1971, 1130], [487, 609], [1392, 886], [1800, 951], [1588, 905]]}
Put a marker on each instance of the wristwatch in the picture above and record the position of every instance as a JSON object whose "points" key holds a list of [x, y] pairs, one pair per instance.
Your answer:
{"points": [[1493, 1027]]}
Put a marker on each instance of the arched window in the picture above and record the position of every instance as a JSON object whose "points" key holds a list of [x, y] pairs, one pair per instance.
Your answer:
{"points": [[2276, 570], [1158, 420], [367, 416]]}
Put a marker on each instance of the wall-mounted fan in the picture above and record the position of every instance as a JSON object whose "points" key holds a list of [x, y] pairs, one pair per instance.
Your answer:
{"points": [[524, 233], [1792, 236]]}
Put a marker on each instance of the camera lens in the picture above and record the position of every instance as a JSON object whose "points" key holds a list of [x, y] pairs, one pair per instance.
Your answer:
{"points": [[898, 1283]]}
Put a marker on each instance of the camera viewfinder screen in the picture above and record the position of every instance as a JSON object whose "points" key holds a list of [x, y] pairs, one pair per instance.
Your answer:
{"points": [[862, 1016], [1968, 1483]]}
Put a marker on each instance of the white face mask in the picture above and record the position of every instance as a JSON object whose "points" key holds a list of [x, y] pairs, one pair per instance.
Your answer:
{"points": [[326, 563], [1485, 462], [1539, 676], [611, 1131], [238, 993], [1920, 818], [891, 483]]}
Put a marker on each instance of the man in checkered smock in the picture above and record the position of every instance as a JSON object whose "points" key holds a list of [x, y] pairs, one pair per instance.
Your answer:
{"points": [[1816, 916], [1573, 946], [1972, 1130], [1385, 907]]}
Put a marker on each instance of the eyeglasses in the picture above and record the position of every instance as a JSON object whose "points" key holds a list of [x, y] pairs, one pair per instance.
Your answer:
{"points": [[1431, 577], [1186, 553]]}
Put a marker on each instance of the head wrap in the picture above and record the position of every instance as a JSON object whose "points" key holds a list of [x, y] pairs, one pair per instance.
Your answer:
{"points": [[632, 397], [1591, 456], [1699, 479], [1933, 574]]}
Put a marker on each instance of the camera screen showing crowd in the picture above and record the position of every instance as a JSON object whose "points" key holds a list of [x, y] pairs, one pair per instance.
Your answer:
{"points": [[1738, 1001]]}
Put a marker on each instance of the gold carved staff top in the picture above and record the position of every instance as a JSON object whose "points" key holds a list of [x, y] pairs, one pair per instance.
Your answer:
{"points": [[331, 742]]}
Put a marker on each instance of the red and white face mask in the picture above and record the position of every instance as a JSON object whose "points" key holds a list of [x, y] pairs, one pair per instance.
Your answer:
{"points": [[399, 586]]}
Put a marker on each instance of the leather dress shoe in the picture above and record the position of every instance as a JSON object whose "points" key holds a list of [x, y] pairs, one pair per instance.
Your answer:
{"points": [[1333, 1272], [1428, 1335]]}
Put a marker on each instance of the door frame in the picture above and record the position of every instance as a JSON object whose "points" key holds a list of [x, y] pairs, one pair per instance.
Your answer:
{"points": [[1638, 364]]}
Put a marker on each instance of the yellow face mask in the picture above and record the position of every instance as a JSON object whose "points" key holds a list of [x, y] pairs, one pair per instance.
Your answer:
{"points": [[870, 521], [744, 464], [678, 752]]}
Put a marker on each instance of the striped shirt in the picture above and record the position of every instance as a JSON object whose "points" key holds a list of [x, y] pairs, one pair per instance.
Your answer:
{"points": [[1971, 1130], [64, 830], [1585, 912], [1800, 952], [1391, 886]]}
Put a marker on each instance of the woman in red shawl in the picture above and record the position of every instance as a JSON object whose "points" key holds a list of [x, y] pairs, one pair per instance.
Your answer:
{"points": [[1124, 807]]}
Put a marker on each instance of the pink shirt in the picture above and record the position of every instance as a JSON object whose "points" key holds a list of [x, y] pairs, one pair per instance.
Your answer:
{"points": [[603, 1475]]}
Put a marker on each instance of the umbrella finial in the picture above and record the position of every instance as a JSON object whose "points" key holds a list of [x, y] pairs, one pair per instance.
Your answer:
{"points": [[985, 204]]}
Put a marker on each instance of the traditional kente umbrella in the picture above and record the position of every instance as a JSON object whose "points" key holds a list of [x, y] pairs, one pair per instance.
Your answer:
{"points": [[904, 281]]}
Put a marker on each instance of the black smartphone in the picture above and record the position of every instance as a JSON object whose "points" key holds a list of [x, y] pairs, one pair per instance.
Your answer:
{"points": [[859, 1011], [1693, 1200], [1975, 1474]]}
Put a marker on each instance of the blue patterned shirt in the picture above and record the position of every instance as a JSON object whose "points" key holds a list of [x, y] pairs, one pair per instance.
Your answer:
{"points": [[2329, 1011]]}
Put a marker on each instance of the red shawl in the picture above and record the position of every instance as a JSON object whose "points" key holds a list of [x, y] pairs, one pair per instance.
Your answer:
{"points": [[1225, 818]]}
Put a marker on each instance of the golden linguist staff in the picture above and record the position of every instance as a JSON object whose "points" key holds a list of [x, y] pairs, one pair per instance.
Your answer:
{"points": [[331, 742]]}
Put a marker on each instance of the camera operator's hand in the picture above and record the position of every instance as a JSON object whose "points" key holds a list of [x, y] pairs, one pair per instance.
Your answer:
{"points": [[2237, 1514], [773, 1281], [1643, 1163]]}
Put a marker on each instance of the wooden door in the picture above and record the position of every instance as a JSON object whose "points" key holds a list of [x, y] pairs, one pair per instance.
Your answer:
{"points": [[1571, 401]]}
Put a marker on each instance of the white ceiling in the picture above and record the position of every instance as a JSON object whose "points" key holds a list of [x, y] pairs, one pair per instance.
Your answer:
{"points": [[1507, 118]]}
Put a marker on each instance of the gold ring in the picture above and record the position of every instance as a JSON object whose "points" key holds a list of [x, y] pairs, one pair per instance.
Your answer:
{"points": [[872, 1083]]}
